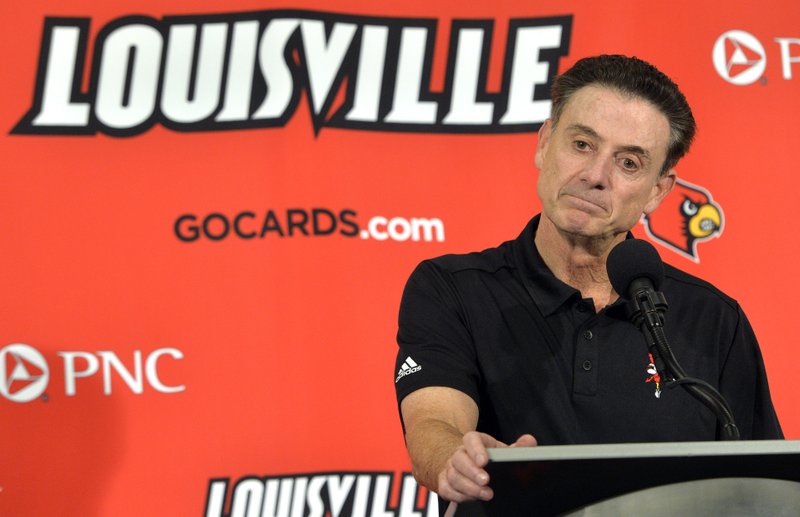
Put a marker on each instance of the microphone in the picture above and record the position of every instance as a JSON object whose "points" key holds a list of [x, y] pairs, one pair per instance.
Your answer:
{"points": [[636, 272], [634, 260]]}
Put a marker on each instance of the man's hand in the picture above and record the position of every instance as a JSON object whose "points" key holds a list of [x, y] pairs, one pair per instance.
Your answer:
{"points": [[463, 477], [447, 454]]}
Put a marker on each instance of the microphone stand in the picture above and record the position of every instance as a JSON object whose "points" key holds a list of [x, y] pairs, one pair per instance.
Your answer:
{"points": [[646, 310]]}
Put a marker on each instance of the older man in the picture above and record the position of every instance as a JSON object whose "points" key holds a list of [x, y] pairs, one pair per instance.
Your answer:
{"points": [[529, 343]]}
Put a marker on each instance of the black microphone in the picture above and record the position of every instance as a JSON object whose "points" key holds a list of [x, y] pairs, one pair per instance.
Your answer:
{"points": [[636, 272], [634, 260]]}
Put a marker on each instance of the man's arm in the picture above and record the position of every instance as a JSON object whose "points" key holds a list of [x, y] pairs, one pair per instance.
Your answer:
{"points": [[447, 454]]}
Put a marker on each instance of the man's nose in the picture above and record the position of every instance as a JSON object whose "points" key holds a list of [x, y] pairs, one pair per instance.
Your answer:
{"points": [[597, 171]]}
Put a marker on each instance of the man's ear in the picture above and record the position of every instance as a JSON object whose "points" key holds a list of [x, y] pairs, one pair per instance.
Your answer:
{"points": [[660, 190], [544, 139]]}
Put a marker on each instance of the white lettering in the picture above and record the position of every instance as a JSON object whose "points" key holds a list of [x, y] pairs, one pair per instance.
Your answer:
{"points": [[180, 102], [527, 72], [383, 485], [408, 498], [134, 381], [362, 496], [208, 74], [403, 373], [407, 108], [786, 57], [303, 497], [276, 72], [71, 373], [338, 489], [316, 508], [278, 497], [239, 86], [399, 229], [324, 59], [247, 498], [57, 107], [151, 370], [464, 109], [373, 225], [299, 497], [111, 363], [369, 79], [125, 100], [433, 505], [216, 498], [427, 229]]}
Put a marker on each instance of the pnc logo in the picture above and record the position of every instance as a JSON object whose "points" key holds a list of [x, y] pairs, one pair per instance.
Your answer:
{"points": [[23, 373], [739, 57]]}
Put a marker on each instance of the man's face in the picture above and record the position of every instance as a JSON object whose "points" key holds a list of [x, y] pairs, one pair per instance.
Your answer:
{"points": [[599, 166]]}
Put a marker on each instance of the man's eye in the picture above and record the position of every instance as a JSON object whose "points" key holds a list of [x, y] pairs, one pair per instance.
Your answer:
{"points": [[580, 145], [629, 164]]}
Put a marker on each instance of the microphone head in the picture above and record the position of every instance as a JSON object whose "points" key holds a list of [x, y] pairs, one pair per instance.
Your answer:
{"points": [[633, 259]]}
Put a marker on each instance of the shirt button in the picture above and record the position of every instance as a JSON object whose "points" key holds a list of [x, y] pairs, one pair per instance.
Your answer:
{"points": [[581, 307], [587, 335], [587, 365]]}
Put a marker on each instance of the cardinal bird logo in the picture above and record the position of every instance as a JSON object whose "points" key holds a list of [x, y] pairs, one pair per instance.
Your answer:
{"points": [[686, 217], [654, 376]]}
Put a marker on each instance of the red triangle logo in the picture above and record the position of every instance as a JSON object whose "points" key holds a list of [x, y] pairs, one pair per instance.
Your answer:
{"points": [[740, 57], [730, 48], [22, 374]]}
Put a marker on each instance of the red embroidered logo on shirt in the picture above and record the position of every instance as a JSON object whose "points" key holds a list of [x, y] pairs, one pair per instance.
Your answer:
{"points": [[654, 376]]}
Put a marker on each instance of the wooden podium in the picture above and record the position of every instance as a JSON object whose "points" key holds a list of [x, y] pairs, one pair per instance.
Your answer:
{"points": [[747, 478]]}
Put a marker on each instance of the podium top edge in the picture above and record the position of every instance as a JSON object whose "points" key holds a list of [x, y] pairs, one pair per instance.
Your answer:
{"points": [[644, 450]]}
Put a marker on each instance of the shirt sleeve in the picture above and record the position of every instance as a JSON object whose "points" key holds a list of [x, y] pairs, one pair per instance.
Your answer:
{"points": [[744, 383], [435, 344]]}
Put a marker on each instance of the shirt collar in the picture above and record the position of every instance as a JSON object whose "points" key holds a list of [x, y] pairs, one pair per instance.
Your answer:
{"points": [[549, 292]]}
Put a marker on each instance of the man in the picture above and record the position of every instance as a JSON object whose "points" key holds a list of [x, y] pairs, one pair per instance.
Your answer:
{"points": [[528, 343]]}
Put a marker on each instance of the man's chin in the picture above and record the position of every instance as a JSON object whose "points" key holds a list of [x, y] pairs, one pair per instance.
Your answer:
{"points": [[585, 227], [579, 222]]}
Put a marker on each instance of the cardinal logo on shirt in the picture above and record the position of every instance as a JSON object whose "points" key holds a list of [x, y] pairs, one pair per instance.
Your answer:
{"points": [[686, 217], [654, 377]]}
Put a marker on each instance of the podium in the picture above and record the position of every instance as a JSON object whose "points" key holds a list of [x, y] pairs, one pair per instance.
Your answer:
{"points": [[746, 478]]}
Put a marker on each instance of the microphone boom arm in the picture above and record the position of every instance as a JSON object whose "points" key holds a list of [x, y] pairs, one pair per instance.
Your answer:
{"points": [[646, 309]]}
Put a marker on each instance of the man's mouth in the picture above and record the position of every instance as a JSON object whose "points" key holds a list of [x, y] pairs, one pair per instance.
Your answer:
{"points": [[585, 203]]}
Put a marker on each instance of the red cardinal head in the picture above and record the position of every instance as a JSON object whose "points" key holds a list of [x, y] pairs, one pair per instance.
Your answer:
{"points": [[687, 216]]}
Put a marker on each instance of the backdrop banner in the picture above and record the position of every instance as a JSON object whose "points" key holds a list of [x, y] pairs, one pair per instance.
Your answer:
{"points": [[209, 212]]}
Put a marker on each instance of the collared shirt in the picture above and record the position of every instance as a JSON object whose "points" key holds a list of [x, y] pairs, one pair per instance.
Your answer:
{"points": [[536, 357]]}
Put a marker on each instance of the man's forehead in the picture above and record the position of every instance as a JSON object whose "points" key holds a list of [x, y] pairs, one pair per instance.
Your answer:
{"points": [[599, 88], [601, 94], [609, 113]]}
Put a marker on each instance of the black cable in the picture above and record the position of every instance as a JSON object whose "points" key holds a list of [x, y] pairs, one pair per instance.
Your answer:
{"points": [[647, 311]]}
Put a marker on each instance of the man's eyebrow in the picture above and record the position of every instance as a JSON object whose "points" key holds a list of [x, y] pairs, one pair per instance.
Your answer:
{"points": [[635, 149], [580, 128]]}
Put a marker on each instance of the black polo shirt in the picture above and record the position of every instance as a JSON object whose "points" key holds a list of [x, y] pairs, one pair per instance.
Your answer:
{"points": [[536, 358]]}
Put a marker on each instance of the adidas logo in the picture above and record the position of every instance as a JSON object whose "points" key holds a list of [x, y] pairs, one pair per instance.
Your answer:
{"points": [[409, 367]]}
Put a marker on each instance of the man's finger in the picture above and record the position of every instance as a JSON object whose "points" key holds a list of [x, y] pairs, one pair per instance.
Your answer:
{"points": [[462, 480], [463, 465], [526, 440], [467, 487], [476, 444]]}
